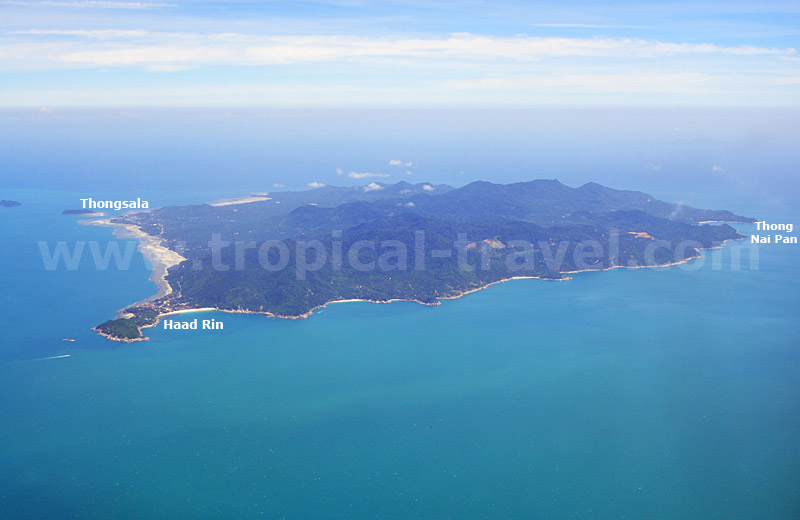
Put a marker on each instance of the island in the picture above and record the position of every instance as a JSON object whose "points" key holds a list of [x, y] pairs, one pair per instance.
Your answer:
{"points": [[83, 212], [286, 254], [9, 203]]}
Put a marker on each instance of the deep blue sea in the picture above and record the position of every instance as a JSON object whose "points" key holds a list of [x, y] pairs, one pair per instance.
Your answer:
{"points": [[643, 394]]}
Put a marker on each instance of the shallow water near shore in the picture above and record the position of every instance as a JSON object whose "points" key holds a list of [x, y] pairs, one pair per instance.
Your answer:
{"points": [[644, 393]]}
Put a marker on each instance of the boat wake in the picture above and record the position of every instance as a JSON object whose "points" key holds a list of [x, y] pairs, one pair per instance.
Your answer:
{"points": [[51, 357]]}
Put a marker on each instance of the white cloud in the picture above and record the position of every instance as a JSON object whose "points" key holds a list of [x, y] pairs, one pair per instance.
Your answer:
{"points": [[195, 49], [654, 167], [148, 55], [366, 175], [617, 82], [717, 168], [410, 204], [277, 185], [455, 69], [409, 172], [362, 175], [788, 80], [315, 185], [372, 186], [405, 192], [398, 162], [428, 187], [589, 26]]}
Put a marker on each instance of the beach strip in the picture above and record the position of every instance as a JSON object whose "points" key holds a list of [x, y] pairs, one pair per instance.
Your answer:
{"points": [[153, 251]]}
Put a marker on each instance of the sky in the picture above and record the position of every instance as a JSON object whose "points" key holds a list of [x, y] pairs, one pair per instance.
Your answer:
{"points": [[361, 53]]}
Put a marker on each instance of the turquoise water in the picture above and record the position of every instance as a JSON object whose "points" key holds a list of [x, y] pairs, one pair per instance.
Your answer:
{"points": [[666, 393]]}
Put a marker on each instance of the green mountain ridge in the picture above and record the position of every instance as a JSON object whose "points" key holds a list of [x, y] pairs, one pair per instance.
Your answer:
{"points": [[418, 242]]}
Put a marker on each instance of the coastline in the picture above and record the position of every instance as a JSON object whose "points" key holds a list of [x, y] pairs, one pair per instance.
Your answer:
{"points": [[724, 222], [439, 298], [94, 214], [241, 200], [161, 257], [121, 340]]}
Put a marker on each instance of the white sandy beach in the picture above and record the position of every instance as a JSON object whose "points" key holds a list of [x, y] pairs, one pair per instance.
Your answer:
{"points": [[243, 200], [151, 248]]}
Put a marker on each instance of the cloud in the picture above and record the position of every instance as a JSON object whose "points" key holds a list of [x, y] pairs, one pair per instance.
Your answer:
{"points": [[362, 175], [406, 191], [333, 69], [277, 185], [654, 167], [367, 175], [428, 187], [589, 26], [398, 162], [788, 80], [409, 172], [243, 49], [372, 186], [315, 184], [667, 82], [410, 204], [717, 169], [148, 55]]}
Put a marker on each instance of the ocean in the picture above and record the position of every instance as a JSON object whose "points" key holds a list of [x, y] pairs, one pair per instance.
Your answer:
{"points": [[644, 393]]}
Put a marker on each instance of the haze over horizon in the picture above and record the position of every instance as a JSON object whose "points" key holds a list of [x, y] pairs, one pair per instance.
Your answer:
{"points": [[743, 159]]}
